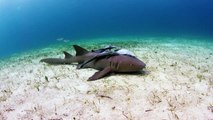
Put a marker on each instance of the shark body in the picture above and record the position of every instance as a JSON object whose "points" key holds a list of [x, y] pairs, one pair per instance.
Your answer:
{"points": [[105, 63]]}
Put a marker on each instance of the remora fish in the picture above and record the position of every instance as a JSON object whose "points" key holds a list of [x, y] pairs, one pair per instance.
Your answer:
{"points": [[105, 63]]}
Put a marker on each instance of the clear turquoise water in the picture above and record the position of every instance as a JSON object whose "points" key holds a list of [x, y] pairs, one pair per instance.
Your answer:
{"points": [[30, 24]]}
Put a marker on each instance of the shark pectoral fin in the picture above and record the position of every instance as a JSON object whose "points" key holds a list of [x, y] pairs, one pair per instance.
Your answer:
{"points": [[100, 74]]}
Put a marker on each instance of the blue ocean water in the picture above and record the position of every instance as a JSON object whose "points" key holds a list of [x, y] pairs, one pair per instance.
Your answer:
{"points": [[27, 24]]}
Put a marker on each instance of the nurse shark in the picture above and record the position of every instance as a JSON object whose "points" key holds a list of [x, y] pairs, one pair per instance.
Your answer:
{"points": [[105, 62]]}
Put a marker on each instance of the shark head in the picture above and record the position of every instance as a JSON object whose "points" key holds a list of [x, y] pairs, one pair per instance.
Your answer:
{"points": [[136, 65], [124, 63]]}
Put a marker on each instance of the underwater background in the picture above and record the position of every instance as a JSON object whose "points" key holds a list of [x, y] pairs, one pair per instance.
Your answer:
{"points": [[174, 38], [29, 24]]}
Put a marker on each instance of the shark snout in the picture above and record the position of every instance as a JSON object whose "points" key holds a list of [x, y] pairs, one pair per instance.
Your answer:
{"points": [[137, 66], [143, 65], [140, 65]]}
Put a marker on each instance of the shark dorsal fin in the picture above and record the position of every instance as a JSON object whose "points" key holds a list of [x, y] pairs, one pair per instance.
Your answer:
{"points": [[67, 55], [79, 50]]}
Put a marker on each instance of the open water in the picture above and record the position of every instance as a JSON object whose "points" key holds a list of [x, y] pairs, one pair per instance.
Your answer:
{"points": [[31, 24]]}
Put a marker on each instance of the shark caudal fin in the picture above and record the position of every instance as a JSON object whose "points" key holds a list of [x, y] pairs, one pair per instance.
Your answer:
{"points": [[67, 55], [79, 50], [57, 61], [54, 61]]}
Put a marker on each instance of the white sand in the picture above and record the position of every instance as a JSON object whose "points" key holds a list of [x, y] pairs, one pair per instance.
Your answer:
{"points": [[178, 84]]}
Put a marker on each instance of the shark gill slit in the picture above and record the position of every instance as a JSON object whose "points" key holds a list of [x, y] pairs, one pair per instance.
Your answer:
{"points": [[110, 64], [117, 66]]}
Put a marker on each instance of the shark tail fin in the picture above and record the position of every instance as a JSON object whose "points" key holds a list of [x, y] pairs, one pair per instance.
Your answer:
{"points": [[54, 61], [79, 50], [67, 55]]}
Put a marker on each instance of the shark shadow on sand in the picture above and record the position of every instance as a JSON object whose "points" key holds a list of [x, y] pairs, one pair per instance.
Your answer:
{"points": [[105, 62]]}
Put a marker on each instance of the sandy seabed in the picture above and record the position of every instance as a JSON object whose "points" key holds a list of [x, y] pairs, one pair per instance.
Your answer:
{"points": [[177, 84]]}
